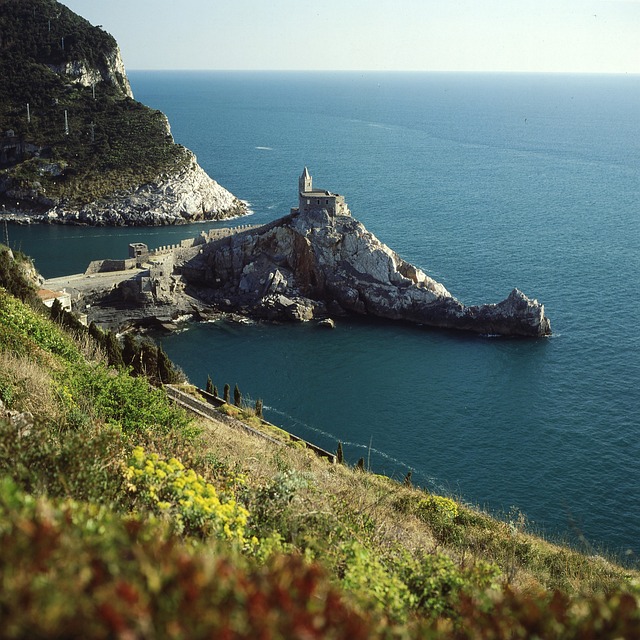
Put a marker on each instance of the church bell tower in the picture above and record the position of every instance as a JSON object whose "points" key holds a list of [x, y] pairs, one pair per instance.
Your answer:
{"points": [[305, 182]]}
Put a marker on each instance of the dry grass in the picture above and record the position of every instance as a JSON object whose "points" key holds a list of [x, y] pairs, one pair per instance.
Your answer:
{"points": [[369, 503], [31, 386]]}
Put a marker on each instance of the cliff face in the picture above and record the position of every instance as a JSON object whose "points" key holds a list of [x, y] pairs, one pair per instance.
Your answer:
{"points": [[109, 69], [188, 196], [74, 145], [314, 264]]}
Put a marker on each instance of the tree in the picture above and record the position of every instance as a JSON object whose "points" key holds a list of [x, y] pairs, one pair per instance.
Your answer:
{"points": [[149, 360], [209, 387], [130, 350], [237, 396], [114, 350], [339, 453], [360, 465], [166, 371], [259, 408], [215, 391], [227, 392], [56, 311]]}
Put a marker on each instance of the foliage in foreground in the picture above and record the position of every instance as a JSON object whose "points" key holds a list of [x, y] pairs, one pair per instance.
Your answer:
{"points": [[119, 517], [86, 572]]}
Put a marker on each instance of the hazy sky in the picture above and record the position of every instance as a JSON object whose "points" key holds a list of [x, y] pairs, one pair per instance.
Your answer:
{"points": [[436, 35]]}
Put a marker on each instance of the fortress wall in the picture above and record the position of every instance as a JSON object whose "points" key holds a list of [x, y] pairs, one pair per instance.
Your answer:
{"points": [[104, 266]]}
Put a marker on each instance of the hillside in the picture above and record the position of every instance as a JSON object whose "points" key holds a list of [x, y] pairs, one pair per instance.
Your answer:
{"points": [[74, 144], [121, 516]]}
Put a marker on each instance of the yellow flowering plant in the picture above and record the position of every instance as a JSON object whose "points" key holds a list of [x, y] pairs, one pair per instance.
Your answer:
{"points": [[166, 487]]}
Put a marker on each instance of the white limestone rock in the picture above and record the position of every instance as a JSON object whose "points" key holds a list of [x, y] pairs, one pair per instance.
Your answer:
{"points": [[189, 196], [334, 261], [110, 69]]}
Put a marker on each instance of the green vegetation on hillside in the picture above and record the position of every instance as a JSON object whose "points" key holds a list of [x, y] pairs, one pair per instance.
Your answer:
{"points": [[113, 142], [120, 516]]}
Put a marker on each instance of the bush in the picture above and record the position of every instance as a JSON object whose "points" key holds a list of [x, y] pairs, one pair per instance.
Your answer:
{"points": [[372, 584], [192, 504], [84, 572]]}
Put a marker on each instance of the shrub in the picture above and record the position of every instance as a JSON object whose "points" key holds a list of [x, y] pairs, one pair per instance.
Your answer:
{"points": [[123, 400], [372, 584], [25, 330], [437, 507], [193, 505], [437, 583], [80, 571]]}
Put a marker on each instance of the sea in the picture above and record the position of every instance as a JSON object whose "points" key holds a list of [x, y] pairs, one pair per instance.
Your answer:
{"points": [[485, 181]]}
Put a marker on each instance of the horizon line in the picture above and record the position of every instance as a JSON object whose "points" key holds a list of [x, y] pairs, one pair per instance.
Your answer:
{"points": [[434, 71]]}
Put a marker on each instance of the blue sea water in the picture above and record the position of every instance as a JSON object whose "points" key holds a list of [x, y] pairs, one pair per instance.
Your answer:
{"points": [[484, 181]]}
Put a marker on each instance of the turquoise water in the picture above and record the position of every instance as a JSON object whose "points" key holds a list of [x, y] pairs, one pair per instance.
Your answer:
{"points": [[486, 182]]}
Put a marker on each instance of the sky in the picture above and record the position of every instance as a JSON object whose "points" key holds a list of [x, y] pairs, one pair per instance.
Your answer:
{"points": [[571, 36]]}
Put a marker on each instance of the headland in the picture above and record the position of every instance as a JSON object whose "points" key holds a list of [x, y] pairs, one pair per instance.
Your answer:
{"points": [[315, 263]]}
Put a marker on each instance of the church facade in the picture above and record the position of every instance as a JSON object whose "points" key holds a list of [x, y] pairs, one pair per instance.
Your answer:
{"points": [[310, 198]]}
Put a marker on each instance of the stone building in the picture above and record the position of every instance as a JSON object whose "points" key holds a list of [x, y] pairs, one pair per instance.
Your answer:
{"points": [[310, 198], [49, 297]]}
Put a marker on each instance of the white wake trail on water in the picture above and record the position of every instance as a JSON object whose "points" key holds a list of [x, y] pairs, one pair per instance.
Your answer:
{"points": [[429, 481]]}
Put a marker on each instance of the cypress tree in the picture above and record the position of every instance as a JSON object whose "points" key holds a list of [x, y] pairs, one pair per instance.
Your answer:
{"points": [[129, 350], [339, 453], [360, 465], [166, 370], [56, 311], [114, 350], [209, 387], [97, 333], [227, 392], [259, 408], [215, 391], [237, 396], [149, 360]]}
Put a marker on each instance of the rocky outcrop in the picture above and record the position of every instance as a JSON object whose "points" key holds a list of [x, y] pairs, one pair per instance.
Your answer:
{"points": [[314, 264], [188, 196], [110, 69]]}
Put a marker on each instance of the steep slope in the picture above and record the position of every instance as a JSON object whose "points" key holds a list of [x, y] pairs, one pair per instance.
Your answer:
{"points": [[121, 517], [74, 144]]}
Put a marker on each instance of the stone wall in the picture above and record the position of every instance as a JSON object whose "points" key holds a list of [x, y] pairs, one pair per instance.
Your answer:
{"points": [[103, 266]]}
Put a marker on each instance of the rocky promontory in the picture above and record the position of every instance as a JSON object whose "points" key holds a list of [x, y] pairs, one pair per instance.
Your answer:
{"points": [[190, 195], [316, 263], [312, 264]]}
